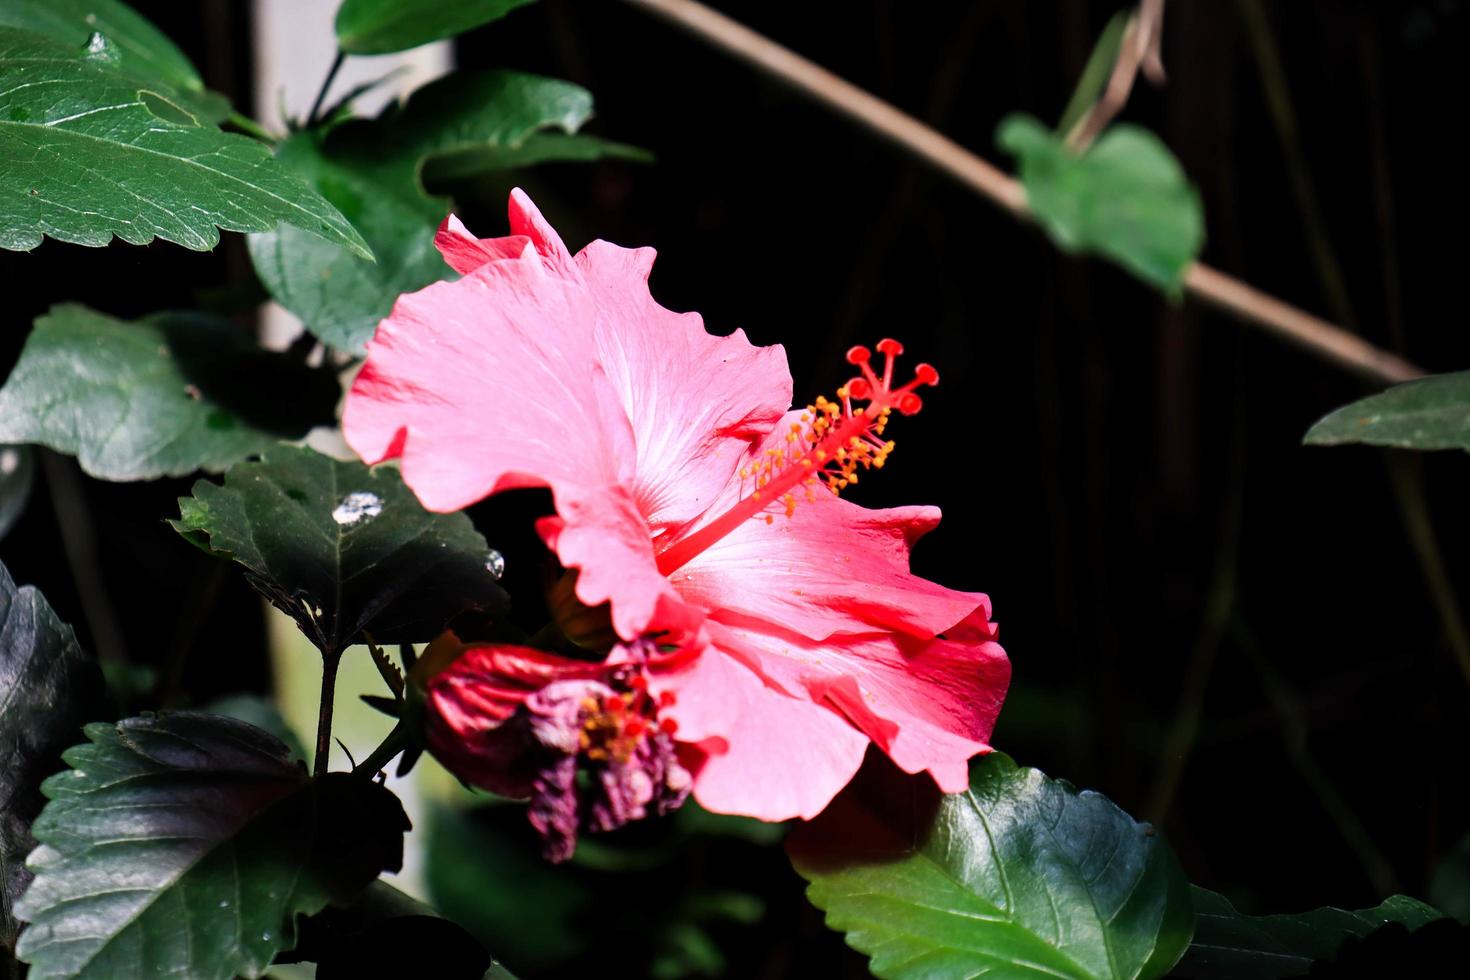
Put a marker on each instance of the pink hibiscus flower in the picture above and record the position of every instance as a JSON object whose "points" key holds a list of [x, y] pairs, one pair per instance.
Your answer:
{"points": [[692, 501]]}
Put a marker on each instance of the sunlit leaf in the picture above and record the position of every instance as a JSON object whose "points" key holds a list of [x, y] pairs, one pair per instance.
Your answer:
{"points": [[88, 152], [1430, 413], [1020, 876], [164, 396], [371, 171], [1125, 197], [381, 26], [143, 50]]}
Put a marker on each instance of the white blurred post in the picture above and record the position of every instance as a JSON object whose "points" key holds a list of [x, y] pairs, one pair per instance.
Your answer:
{"points": [[294, 48]]}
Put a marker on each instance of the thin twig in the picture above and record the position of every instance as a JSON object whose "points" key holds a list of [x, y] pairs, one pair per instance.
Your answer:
{"points": [[321, 95], [1139, 50], [79, 542], [1315, 335]]}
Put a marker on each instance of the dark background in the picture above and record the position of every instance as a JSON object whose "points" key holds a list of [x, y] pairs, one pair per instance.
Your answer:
{"points": [[1122, 475]]}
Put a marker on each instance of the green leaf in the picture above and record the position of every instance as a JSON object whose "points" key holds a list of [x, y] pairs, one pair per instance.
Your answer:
{"points": [[187, 844], [17, 475], [487, 876], [385, 933], [370, 170], [1430, 413], [1450, 887], [1020, 876], [1095, 74], [536, 149], [261, 712], [163, 396], [381, 26], [1125, 198], [342, 548], [48, 690], [143, 50], [88, 152], [1231, 946]]}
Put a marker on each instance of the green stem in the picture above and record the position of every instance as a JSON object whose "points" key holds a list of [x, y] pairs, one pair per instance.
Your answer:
{"points": [[321, 95], [330, 662], [395, 743], [250, 127]]}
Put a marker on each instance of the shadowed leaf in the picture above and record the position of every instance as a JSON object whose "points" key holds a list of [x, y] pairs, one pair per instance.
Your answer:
{"points": [[342, 548]]}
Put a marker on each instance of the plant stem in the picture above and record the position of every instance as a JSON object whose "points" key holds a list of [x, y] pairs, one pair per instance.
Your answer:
{"points": [[250, 127], [1328, 342], [79, 542], [330, 662], [321, 95], [394, 743]]}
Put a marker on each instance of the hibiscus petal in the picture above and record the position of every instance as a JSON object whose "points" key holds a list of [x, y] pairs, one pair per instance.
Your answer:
{"points": [[930, 704], [698, 404], [599, 531], [758, 752], [831, 567], [489, 383], [465, 253]]}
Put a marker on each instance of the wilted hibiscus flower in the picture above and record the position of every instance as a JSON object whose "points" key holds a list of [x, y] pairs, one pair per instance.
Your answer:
{"points": [[763, 631]]}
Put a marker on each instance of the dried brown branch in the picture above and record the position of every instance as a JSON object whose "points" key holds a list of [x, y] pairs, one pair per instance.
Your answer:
{"points": [[1315, 335]]}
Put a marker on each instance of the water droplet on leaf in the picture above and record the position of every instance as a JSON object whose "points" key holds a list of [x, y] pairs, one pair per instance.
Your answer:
{"points": [[495, 563], [357, 506], [99, 48]]}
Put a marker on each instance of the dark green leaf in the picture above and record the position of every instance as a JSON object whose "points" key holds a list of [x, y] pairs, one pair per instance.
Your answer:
{"points": [[17, 475], [385, 933], [88, 152], [1021, 876], [1431, 413], [484, 871], [263, 714], [538, 148], [143, 50], [164, 396], [1125, 198], [1096, 73], [342, 548], [1231, 946], [370, 171], [381, 26], [1450, 888], [48, 690], [186, 845]]}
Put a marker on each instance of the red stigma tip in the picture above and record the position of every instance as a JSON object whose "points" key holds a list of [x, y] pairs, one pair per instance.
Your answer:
{"points": [[668, 725], [889, 346], [925, 374], [858, 355], [909, 403], [859, 388], [666, 698]]}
